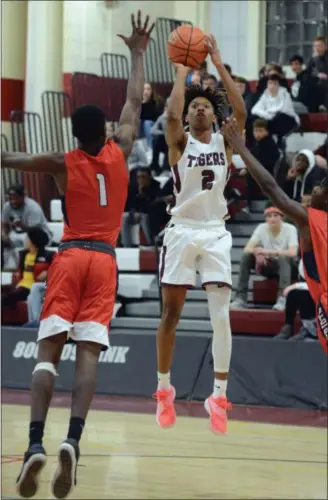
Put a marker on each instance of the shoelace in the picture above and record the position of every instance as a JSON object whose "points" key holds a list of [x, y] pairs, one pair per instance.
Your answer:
{"points": [[160, 398], [223, 403]]}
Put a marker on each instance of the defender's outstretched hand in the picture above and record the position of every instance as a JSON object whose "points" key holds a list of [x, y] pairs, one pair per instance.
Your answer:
{"points": [[231, 132], [140, 36]]}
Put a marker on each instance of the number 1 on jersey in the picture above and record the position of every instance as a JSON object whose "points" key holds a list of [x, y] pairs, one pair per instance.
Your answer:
{"points": [[102, 190]]}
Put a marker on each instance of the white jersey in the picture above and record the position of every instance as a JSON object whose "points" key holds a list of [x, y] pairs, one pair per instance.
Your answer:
{"points": [[199, 181]]}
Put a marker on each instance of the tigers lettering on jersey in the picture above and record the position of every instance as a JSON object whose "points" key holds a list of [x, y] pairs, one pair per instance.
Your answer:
{"points": [[200, 177], [206, 160]]}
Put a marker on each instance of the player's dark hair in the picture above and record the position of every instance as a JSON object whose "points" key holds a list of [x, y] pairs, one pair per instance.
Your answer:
{"points": [[261, 123], [216, 97], [38, 237], [88, 123], [17, 189], [297, 58]]}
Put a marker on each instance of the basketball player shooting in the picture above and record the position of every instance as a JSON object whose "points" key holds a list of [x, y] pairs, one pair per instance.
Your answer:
{"points": [[312, 224], [82, 281], [196, 238]]}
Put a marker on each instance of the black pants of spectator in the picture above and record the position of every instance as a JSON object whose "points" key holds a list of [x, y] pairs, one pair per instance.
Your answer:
{"points": [[158, 218], [14, 295], [299, 300], [160, 146], [281, 267]]}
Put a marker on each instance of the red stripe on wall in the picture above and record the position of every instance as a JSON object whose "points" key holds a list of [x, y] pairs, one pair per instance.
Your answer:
{"points": [[12, 96]]}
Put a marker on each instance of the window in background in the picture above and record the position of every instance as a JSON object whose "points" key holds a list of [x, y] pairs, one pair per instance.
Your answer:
{"points": [[291, 27]]}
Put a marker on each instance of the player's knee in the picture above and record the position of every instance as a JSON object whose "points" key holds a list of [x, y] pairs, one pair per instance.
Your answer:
{"points": [[45, 366], [170, 317]]}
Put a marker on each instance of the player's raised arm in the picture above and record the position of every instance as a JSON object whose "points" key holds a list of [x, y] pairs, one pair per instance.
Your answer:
{"points": [[235, 99], [264, 179], [175, 135], [130, 116], [47, 163]]}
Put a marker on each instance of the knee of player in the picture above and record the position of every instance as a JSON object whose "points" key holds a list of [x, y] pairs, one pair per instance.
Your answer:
{"points": [[170, 317]]}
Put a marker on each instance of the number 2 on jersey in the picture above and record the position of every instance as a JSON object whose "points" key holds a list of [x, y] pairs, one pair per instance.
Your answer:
{"points": [[102, 190], [208, 178]]}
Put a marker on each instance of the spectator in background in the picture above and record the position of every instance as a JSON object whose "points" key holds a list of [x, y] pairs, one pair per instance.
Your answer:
{"points": [[303, 175], [318, 67], [158, 216], [265, 72], [159, 143], [140, 197], [209, 81], [275, 106], [271, 250], [298, 299], [266, 151], [151, 108], [19, 214], [34, 262], [194, 78], [303, 87], [245, 90]]}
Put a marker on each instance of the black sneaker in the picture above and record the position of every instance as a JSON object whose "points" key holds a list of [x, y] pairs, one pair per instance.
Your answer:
{"points": [[35, 459], [64, 478]]}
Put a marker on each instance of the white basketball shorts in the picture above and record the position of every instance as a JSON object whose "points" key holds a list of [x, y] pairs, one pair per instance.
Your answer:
{"points": [[187, 250]]}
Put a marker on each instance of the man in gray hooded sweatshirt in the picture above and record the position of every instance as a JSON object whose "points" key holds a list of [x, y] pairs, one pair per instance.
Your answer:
{"points": [[303, 175]]}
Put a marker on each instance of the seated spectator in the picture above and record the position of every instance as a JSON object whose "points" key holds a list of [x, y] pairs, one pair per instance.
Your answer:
{"points": [[276, 106], [34, 262], [34, 304], [303, 88], [158, 215], [140, 197], [318, 67], [151, 108], [245, 90], [303, 175], [267, 71], [271, 251], [265, 150], [298, 299], [159, 143], [209, 81], [19, 214]]}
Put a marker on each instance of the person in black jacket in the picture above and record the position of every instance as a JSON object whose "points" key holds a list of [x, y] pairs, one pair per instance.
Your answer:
{"points": [[303, 89], [303, 175], [140, 197], [318, 67], [151, 108]]}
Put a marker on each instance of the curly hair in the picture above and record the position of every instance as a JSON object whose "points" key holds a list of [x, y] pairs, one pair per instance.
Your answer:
{"points": [[216, 97]]}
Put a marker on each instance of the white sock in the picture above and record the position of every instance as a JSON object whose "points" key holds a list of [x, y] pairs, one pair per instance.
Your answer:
{"points": [[163, 380], [220, 388]]}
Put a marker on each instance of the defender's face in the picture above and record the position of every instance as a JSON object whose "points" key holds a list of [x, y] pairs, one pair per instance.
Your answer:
{"points": [[200, 114]]}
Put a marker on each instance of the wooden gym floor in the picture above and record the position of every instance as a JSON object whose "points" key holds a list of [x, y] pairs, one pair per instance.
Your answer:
{"points": [[124, 454]]}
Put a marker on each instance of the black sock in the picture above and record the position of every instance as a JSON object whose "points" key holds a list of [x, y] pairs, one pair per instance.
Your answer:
{"points": [[36, 433], [75, 429]]}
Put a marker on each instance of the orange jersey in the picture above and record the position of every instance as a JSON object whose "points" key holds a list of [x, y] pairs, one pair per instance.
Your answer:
{"points": [[316, 269], [95, 195]]}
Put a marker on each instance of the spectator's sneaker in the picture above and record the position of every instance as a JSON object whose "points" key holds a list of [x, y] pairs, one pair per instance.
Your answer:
{"points": [[285, 333], [302, 335], [64, 478], [217, 409], [165, 414], [35, 459], [280, 305], [238, 303]]}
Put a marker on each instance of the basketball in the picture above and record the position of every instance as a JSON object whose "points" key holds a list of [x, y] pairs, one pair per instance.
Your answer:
{"points": [[187, 46]]}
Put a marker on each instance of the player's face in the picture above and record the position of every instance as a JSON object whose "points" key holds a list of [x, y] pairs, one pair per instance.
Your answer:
{"points": [[320, 198], [200, 114]]}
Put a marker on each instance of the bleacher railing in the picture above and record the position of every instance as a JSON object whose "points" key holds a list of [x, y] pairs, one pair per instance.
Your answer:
{"points": [[114, 66], [8, 175], [57, 110]]}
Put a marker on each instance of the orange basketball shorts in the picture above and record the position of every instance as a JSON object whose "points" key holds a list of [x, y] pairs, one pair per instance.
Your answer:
{"points": [[80, 296]]}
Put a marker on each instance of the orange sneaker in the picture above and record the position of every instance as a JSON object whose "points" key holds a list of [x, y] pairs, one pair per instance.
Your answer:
{"points": [[217, 410], [165, 414]]}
